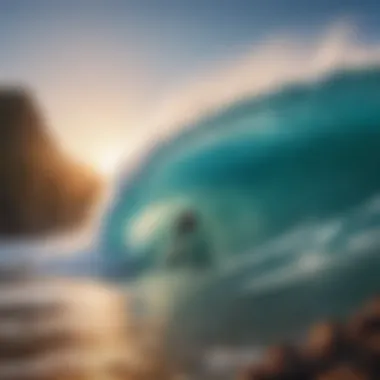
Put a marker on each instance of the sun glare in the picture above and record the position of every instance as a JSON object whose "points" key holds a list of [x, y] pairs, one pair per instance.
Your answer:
{"points": [[108, 163]]}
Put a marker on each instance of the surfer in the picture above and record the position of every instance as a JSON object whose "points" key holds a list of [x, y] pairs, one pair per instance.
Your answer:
{"points": [[190, 247]]}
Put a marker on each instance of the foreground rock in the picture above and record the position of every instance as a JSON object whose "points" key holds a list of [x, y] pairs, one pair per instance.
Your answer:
{"points": [[332, 351], [41, 190]]}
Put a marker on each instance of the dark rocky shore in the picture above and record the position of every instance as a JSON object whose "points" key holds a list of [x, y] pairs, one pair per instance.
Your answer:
{"points": [[332, 351]]}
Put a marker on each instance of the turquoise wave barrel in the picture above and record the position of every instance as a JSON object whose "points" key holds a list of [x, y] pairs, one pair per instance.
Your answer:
{"points": [[284, 196]]}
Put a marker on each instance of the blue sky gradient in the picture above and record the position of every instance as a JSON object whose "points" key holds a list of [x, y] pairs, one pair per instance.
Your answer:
{"points": [[175, 36]]}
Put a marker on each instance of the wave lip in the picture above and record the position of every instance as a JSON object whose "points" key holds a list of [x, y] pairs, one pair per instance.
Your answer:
{"points": [[265, 67]]}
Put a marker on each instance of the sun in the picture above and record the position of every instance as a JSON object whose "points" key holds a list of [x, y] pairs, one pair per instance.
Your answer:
{"points": [[108, 163]]}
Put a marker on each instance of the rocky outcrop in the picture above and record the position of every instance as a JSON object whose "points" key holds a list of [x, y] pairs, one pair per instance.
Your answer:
{"points": [[41, 190], [340, 351]]}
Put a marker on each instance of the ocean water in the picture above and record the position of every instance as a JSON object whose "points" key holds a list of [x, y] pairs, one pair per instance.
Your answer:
{"points": [[286, 189]]}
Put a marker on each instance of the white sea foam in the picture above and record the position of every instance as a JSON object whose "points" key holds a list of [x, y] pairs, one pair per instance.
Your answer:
{"points": [[266, 67]]}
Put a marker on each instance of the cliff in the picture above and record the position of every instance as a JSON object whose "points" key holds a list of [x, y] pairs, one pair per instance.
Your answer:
{"points": [[42, 190]]}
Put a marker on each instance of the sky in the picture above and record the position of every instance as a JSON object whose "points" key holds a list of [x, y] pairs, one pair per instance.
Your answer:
{"points": [[98, 66]]}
